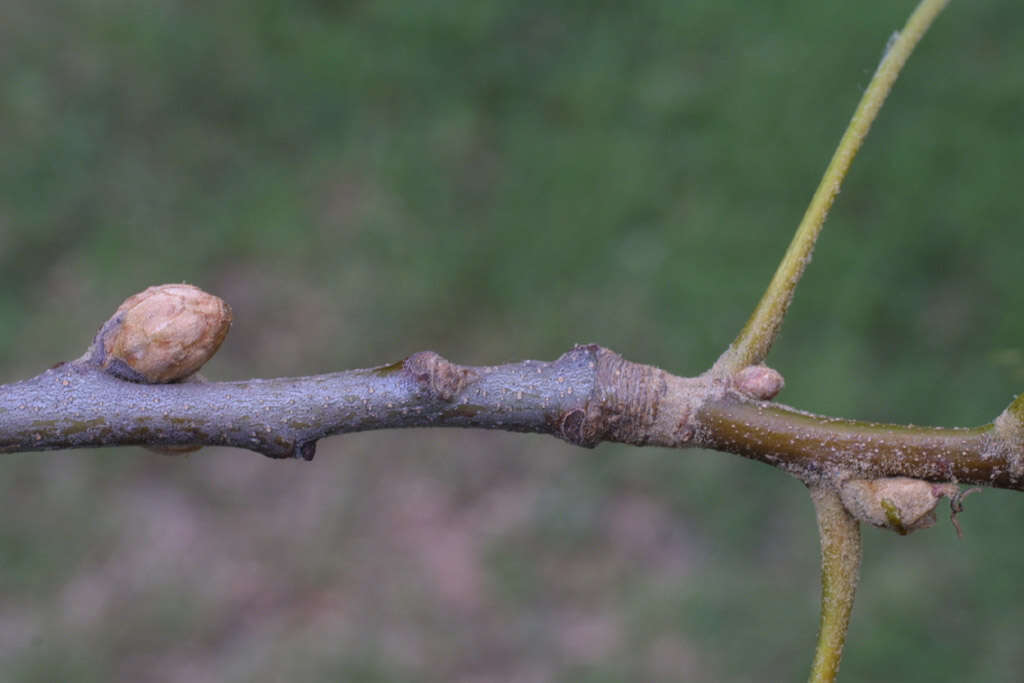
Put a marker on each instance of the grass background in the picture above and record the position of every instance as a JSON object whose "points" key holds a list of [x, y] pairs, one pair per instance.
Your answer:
{"points": [[498, 180]]}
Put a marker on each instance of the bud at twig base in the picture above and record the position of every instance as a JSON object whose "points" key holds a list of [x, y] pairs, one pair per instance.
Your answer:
{"points": [[900, 504], [759, 381]]}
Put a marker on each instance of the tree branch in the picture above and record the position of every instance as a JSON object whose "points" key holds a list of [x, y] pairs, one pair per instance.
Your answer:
{"points": [[814, 446], [588, 395]]}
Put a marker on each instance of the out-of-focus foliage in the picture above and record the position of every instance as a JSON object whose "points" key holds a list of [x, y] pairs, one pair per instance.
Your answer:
{"points": [[496, 181]]}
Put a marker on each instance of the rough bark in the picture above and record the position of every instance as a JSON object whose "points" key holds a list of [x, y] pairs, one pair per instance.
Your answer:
{"points": [[588, 395]]}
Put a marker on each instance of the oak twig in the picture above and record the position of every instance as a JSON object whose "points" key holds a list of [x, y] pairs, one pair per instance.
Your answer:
{"points": [[871, 450], [136, 386], [754, 341], [588, 395], [840, 571]]}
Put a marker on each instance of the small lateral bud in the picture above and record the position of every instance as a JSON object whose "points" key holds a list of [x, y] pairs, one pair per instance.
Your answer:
{"points": [[163, 334], [759, 381], [900, 504]]}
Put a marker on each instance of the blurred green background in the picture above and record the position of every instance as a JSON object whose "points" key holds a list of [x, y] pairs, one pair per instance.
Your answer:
{"points": [[498, 180]]}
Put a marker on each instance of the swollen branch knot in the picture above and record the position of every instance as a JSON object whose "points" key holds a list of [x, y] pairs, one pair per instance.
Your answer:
{"points": [[441, 377], [626, 399], [631, 403], [899, 504]]}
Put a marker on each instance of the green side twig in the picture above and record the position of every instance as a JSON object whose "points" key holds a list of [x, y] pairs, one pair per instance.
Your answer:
{"points": [[755, 339], [840, 570], [838, 529]]}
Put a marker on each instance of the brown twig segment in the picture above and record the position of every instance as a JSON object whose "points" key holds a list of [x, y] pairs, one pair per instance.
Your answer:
{"points": [[814, 446]]}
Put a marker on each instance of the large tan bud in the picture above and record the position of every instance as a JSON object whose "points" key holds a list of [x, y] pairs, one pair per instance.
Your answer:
{"points": [[163, 334], [897, 503]]}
